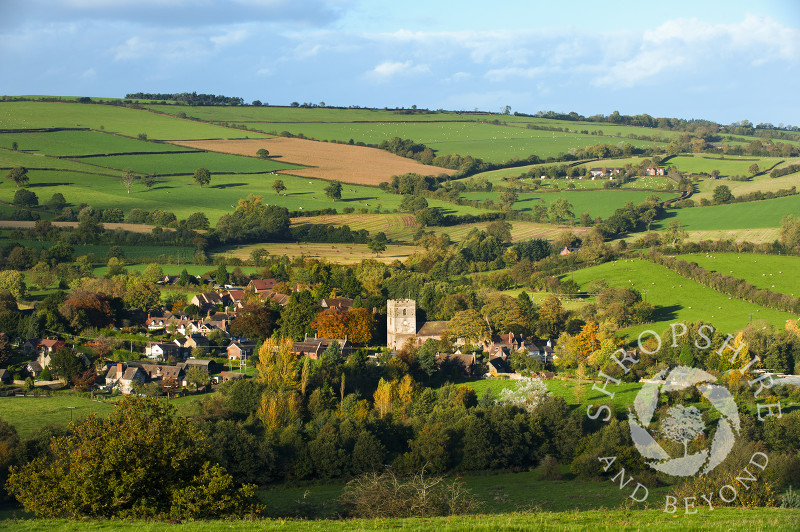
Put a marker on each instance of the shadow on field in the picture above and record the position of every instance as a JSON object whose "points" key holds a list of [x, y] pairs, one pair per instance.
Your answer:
{"points": [[42, 185], [360, 199], [228, 185], [666, 313], [162, 187]]}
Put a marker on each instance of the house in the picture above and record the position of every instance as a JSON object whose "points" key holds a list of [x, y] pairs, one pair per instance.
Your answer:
{"points": [[6, 377], [341, 303], [605, 171], [123, 376], [276, 297], [240, 351], [36, 346], [503, 345], [225, 376], [261, 285], [191, 341], [34, 369], [499, 366], [568, 251], [461, 364], [314, 347], [658, 170], [208, 300], [542, 351], [433, 330], [161, 350]]}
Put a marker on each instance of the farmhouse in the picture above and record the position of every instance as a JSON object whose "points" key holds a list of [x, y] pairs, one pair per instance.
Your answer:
{"points": [[341, 303], [658, 170], [458, 364], [36, 346], [314, 347], [261, 285], [240, 351], [123, 376]]}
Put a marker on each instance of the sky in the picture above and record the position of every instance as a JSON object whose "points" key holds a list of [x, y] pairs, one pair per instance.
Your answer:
{"points": [[724, 61]]}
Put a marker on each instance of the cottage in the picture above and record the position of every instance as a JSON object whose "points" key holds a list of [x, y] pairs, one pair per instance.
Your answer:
{"points": [[659, 170], [261, 285], [124, 376], [225, 376], [36, 346], [240, 351], [461, 364], [341, 303], [6, 377], [541, 351], [161, 350], [499, 366], [314, 347], [208, 300]]}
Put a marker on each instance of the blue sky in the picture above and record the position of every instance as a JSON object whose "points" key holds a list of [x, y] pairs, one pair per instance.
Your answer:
{"points": [[723, 61]]}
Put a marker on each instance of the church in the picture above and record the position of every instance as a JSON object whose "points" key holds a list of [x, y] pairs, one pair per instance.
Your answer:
{"points": [[401, 324]]}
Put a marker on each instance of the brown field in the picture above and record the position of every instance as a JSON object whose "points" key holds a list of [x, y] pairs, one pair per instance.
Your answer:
{"points": [[338, 253], [341, 162], [400, 228], [134, 228], [757, 236]]}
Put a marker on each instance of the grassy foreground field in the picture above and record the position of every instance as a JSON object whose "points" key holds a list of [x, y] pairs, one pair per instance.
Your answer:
{"points": [[722, 519], [677, 298], [748, 215], [774, 272]]}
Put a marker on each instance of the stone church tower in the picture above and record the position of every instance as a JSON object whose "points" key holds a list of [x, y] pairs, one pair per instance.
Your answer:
{"points": [[401, 321]]}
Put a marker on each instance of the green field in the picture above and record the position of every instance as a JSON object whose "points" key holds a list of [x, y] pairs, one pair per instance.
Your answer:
{"points": [[780, 274], [677, 298], [596, 202], [71, 143], [180, 195], [130, 122], [728, 165], [27, 414], [747, 215], [721, 520], [187, 162]]}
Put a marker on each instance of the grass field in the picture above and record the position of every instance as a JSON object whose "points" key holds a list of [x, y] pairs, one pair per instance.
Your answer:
{"points": [[27, 414], [747, 215], [677, 298], [722, 519], [596, 202], [728, 165], [757, 236], [71, 143], [780, 274], [123, 120], [339, 253]]}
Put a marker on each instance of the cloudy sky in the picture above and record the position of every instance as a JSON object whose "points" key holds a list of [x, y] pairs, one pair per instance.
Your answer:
{"points": [[720, 60]]}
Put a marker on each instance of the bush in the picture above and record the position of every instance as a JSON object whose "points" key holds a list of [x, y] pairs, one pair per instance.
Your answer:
{"points": [[374, 495], [25, 198], [549, 468], [790, 499]]}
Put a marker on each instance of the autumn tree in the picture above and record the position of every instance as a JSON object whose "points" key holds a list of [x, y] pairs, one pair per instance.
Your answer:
{"points": [[202, 177], [587, 342], [253, 322], [551, 318], [360, 325], [330, 323], [92, 472], [470, 325]]}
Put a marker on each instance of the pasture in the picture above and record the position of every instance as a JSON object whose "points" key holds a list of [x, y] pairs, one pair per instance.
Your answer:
{"points": [[187, 162], [757, 236], [331, 161], [596, 202], [747, 215], [778, 273], [115, 119], [338, 253], [677, 298], [728, 165], [72, 143]]}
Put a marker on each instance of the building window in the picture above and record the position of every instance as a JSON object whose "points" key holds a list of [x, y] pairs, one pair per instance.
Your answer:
{"points": [[404, 312]]}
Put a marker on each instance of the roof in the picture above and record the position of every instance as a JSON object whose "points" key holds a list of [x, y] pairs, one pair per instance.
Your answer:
{"points": [[130, 373], [433, 328], [500, 365], [262, 284], [337, 302], [198, 362], [34, 366]]}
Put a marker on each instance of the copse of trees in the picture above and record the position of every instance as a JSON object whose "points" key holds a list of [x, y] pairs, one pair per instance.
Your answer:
{"points": [[188, 98]]}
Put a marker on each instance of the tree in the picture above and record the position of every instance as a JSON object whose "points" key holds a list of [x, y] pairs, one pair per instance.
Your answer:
{"points": [[675, 232], [167, 475], [148, 181], [143, 296], [19, 175], [334, 190], [500, 229], [202, 177], [377, 245], [262, 153], [560, 211], [13, 281], [65, 365], [25, 198], [753, 169], [253, 322], [278, 186], [683, 425], [722, 194], [197, 220], [470, 325], [153, 273], [197, 376], [221, 276], [277, 365], [128, 179]]}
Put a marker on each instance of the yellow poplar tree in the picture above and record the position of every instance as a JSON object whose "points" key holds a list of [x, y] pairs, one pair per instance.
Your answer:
{"points": [[383, 397]]}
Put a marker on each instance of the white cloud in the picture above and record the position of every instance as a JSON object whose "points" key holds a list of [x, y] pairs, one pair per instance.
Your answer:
{"points": [[390, 69], [231, 36]]}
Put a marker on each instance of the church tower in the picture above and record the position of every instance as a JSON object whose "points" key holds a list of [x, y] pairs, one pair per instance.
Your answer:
{"points": [[401, 321]]}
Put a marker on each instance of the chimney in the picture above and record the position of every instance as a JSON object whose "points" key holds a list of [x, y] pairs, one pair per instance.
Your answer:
{"points": [[306, 338], [119, 369]]}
